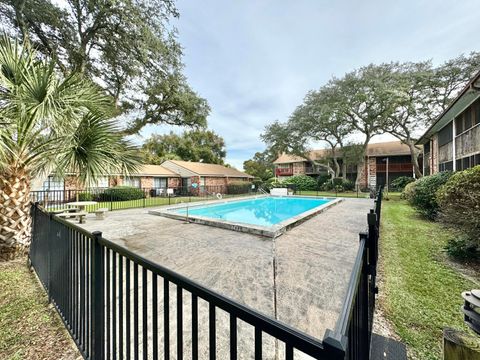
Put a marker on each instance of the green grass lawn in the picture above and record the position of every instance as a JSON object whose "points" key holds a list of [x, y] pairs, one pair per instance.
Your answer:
{"points": [[29, 328], [148, 202], [421, 291]]}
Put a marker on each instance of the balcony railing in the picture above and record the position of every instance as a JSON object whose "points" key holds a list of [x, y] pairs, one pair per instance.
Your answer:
{"points": [[284, 171], [402, 167]]}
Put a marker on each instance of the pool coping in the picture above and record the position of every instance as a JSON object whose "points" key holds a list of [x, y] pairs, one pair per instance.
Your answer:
{"points": [[266, 231]]}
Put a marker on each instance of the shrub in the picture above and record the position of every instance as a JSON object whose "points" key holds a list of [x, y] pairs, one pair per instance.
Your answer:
{"points": [[86, 196], [348, 185], [301, 182], [322, 179], [424, 198], [339, 185], [239, 187], [463, 248], [408, 191], [459, 201], [121, 193], [402, 181]]}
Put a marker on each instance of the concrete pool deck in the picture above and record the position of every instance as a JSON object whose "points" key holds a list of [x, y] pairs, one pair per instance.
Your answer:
{"points": [[313, 261]]}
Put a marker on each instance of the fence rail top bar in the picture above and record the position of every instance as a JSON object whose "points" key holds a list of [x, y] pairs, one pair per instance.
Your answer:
{"points": [[68, 223], [342, 323], [299, 340]]}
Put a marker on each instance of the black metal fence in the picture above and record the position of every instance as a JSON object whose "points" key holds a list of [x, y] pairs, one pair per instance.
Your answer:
{"points": [[354, 327], [124, 198], [118, 305]]}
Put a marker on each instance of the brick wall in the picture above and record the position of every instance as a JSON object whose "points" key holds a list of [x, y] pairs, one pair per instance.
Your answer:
{"points": [[174, 182], [230, 180], [372, 172], [115, 181], [146, 182], [71, 183]]}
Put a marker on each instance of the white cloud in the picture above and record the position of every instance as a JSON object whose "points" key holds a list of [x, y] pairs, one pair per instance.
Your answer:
{"points": [[255, 60]]}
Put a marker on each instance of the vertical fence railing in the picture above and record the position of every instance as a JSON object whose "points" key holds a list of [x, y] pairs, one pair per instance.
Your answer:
{"points": [[62, 258], [119, 199], [118, 305], [353, 330]]}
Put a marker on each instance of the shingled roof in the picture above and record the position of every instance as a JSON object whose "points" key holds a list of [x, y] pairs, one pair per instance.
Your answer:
{"points": [[390, 148], [155, 170], [204, 169]]}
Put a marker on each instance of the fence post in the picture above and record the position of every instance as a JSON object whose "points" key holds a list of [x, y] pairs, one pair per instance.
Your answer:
{"points": [[49, 257], [372, 243], [335, 345], [364, 293], [97, 297]]}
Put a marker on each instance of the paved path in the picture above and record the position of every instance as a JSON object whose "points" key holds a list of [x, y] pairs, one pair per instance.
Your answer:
{"points": [[305, 272]]}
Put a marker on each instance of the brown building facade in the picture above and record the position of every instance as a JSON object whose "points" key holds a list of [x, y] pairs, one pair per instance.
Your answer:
{"points": [[374, 173], [452, 142], [170, 175]]}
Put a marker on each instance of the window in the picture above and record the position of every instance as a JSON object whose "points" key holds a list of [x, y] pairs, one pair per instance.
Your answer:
{"points": [[426, 147], [445, 135], [132, 181], [159, 182], [477, 159], [283, 166], [468, 118], [446, 166], [102, 182], [477, 112], [53, 183], [458, 164], [466, 163], [459, 125]]}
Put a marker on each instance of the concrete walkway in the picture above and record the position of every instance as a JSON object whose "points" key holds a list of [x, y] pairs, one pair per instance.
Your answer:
{"points": [[300, 278]]}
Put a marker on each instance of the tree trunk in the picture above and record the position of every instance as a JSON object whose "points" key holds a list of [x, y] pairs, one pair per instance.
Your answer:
{"points": [[337, 166], [414, 153], [361, 164], [344, 169], [15, 220]]}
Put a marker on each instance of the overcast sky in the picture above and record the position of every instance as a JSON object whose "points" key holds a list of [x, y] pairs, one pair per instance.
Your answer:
{"points": [[254, 60]]}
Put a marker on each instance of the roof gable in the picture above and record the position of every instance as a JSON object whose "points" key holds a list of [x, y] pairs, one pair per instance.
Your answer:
{"points": [[205, 169], [467, 96]]}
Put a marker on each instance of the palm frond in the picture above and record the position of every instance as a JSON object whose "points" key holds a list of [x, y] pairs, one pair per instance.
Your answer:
{"points": [[97, 149], [56, 122]]}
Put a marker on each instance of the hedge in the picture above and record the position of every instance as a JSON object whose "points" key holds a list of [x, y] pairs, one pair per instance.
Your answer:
{"points": [[423, 193], [239, 187], [121, 193], [459, 202], [400, 182], [302, 182]]}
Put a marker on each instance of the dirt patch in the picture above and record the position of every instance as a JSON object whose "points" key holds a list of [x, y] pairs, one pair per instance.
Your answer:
{"points": [[30, 328]]}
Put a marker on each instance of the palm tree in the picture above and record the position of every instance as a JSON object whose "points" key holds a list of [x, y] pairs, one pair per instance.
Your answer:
{"points": [[49, 124]]}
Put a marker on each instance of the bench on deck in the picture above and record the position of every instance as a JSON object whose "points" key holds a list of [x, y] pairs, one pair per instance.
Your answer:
{"points": [[100, 213], [79, 215]]}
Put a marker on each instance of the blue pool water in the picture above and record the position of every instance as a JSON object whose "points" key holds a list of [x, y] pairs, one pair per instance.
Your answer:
{"points": [[265, 211]]}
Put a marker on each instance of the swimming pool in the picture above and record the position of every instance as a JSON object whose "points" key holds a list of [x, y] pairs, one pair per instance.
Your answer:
{"points": [[263, 215], [265, 211]]}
